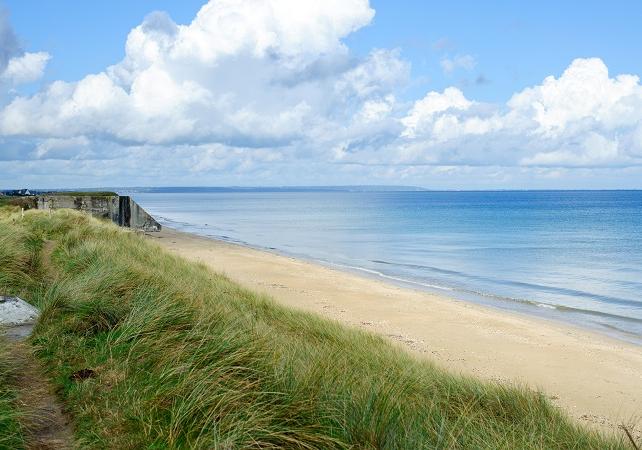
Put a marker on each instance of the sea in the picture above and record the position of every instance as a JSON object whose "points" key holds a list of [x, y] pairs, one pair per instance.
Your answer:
{"points": [[571, 256]]}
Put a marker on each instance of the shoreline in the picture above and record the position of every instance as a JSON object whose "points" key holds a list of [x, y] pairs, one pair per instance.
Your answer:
{"points": [[592, 376], [558, 314], [595, 321]]}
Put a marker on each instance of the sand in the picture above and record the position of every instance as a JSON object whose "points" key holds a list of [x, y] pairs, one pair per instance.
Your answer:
{"points": [[595, 378]]}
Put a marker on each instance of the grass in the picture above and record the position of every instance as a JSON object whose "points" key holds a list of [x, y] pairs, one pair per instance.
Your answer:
{"points": [[181, 357], [15, 265], [24, 202]]}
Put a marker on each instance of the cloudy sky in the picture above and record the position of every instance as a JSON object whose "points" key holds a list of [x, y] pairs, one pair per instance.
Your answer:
{"points": [[445, 95]]}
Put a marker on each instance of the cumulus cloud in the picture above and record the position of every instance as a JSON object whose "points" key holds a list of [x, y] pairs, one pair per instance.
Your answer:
{"points": [[17, 66], [429, 114], [251, 86], [376, 110], [244, 73], [583, 118], [26, 68], [584, 91]]}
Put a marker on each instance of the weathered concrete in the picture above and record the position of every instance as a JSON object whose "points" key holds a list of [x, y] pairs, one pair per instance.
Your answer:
{"points": [[105, 207], [17, 316], [140, 219], [14, 311], [122, 209]]}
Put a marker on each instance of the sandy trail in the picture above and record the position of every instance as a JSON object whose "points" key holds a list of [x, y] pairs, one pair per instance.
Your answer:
{"points": [[598, 380], [46, 424]]}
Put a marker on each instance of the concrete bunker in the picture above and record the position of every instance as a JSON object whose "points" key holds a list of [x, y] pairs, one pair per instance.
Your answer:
{"points": [[120, 209]]}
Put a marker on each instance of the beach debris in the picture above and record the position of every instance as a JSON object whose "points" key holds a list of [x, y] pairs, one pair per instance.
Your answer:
{"points": [[630, 436], [17, 316]]}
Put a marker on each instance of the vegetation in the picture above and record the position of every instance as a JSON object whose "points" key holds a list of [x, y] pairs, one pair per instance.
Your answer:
{"points": [[15, 261], [151, 351], [24, 202]]}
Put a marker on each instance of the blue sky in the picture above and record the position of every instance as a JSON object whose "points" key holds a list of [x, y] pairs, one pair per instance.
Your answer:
{"points": [[420, 94]]}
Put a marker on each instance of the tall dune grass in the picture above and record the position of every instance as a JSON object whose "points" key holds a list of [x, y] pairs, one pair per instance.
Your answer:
{"points": [[15, 265], [181, 357]]}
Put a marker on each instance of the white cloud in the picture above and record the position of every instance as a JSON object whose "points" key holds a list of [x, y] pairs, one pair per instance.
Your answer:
{"points": [[287, 28], [584, 91], [635, 141], [466, 62], [380, 72], [425, 114], [242, 73], [17, 66], [26, 68], [376, 110], [584, 118], [53, 148], [593, 150]]}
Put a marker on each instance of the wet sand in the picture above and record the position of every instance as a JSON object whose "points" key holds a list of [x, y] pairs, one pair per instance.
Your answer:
{"points": [[595, 378]]}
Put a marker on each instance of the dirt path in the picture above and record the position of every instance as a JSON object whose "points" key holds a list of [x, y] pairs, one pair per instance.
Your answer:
{"points": [[43, 418], [45, 256]]}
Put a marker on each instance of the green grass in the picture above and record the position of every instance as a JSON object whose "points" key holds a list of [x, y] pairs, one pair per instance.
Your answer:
{"points": [[15, 264], [184, 358]]}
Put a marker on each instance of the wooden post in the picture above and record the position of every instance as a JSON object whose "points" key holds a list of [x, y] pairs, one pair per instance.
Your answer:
{"points": [[22, 212]]}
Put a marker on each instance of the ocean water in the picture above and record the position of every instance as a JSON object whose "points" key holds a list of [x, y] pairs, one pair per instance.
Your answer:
{"points": [[566, 255]]}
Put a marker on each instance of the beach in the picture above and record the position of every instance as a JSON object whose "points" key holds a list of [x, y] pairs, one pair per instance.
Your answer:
{"points": [[595, 378]]}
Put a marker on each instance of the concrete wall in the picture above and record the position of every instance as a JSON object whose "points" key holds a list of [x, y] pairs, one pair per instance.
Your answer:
{"points": [[101, 207], [132, 215], [121, 210]]}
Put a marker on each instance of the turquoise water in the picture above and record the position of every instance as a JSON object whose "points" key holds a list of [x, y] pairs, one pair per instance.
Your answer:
{"points": [[567, 255]]}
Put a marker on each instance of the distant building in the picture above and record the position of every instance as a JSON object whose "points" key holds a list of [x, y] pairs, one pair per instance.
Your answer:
{"points": [[18, 193]]}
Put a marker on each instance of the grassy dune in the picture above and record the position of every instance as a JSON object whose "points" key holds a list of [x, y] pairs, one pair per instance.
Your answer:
{"points": [[15, 262], [181, 357]]}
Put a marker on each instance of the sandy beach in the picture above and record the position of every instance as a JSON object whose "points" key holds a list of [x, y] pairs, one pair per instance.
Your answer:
{"points": [[597, 379]]}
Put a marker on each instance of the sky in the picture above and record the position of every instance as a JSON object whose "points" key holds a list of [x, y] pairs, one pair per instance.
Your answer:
{"points": [[444, 95]]}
